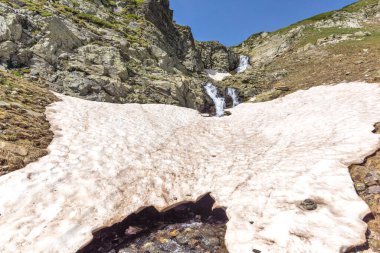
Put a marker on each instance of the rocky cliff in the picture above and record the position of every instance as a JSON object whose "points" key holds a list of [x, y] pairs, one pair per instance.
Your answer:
{"points": [[114, 51]]}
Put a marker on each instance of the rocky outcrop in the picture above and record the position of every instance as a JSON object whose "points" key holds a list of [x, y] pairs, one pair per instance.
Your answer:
{"points": [[217, 56], [177, 41], [11, 32], [10, 28], [132, 51], [264, 47], [57, 40], [104, 51]]}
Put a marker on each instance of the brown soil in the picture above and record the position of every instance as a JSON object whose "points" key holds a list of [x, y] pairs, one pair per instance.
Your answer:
{"points": [[24, 130], [343, 62]]}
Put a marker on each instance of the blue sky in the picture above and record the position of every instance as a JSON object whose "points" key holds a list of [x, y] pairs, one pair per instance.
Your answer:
{"points": [[232, 21]]}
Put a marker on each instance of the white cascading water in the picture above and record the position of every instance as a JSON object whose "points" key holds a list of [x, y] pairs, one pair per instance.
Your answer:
{"points": [[219, 102], [233, 93], [243, 63]]}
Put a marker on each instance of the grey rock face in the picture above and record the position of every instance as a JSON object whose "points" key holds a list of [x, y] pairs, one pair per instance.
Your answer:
{"points": [[177, 41], [58, 39], [122, 52], [105, 57], [10, 27], [101, 60], [7, 50], [217, 56]]}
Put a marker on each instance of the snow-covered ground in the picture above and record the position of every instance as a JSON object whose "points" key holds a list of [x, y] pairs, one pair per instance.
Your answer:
{"points": [[215, 75], [108, 160]]}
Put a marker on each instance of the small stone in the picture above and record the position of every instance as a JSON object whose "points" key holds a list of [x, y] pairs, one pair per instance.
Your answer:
{"points": [[308, 204], [372, 178], [193, 242], [63, 56], [211, 241], [359, 34], [283, 88], [227, 113], [163, 240], [148, 245], [133, 230], [173, 233], [373, 190], [360, 186]]}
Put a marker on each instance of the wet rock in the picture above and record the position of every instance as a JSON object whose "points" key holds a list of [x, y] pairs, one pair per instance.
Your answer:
{"points": [[309, 205], [227, 113], [182, 237]]}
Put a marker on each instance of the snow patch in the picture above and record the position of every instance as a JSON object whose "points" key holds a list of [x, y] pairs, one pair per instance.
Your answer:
{"points": [[215, 75], [108, 160]]}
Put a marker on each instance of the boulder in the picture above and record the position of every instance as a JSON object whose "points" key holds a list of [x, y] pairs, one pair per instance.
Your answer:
{"points": [[78, 83], [102, 60], [58, 39], [163, 59], [7, 49], [10, 28]]}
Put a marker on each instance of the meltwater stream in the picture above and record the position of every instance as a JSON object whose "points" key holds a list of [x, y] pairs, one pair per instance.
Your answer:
{"points": [[233, 93], [243, 63], [219, 102]]}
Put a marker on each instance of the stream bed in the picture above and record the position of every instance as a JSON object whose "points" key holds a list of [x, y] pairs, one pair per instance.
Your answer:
{"points": [[192, 227]]}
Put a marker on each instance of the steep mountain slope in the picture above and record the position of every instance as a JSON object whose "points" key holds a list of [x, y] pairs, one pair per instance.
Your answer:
{"points": [[114, 51], [332, 47]]}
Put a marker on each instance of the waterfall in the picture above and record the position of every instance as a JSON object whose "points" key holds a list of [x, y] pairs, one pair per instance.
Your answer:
{"points": [[219, 102], [243, 63], [233, 93]]}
